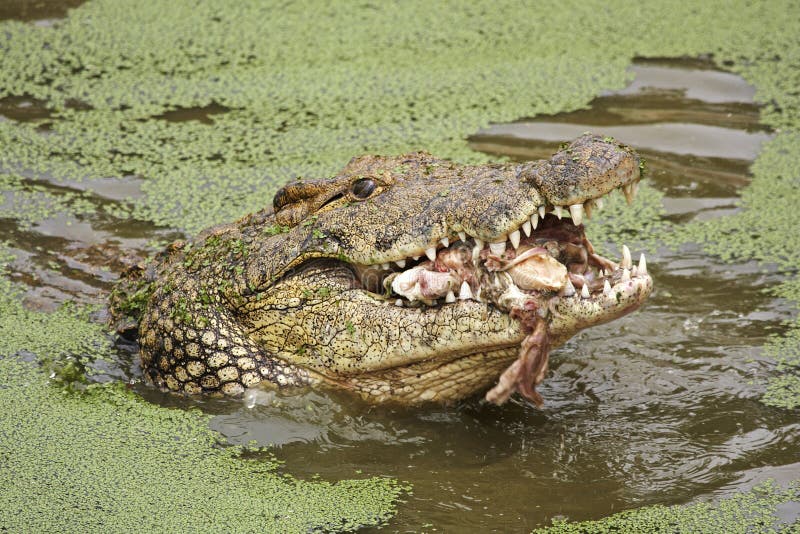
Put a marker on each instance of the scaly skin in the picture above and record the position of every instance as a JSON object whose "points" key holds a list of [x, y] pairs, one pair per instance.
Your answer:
{"points": [[273, 297]]}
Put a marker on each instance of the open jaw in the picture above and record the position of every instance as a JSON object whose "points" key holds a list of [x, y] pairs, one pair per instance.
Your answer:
{"points": [[544, 274]]}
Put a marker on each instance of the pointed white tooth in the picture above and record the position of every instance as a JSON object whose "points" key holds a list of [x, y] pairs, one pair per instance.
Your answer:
{"points": [[462, 236], [476, 253], [634, 189], [399, 302], [465, 293], [498, 248], [431, 253], [569, 289], [535, 220], [450, 297], [415, 258], [626, 275], [385, 266], [576, 211], [587, 209], [606, 288], [627, 190], [541, 211], [401, 263], [526, 227], [558, 211], [642, 265], [479, 243], [585, 291], [445, 242], [634, 271], [626, 257], [598, 203], [514, 238]]}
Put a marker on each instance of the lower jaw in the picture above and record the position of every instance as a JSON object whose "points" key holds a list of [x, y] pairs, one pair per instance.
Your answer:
{"points": [[441, 382], [459, 377]]}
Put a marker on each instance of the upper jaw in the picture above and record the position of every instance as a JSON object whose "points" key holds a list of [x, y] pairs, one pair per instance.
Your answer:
{"points": [[510, 236], [588, 167]]}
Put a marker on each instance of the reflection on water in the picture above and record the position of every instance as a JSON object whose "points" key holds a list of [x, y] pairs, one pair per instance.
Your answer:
{"points": [[671, 137], [657, 407]]}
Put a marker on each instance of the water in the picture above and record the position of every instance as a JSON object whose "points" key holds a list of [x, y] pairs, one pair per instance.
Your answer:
{"points": [[658, 407]]}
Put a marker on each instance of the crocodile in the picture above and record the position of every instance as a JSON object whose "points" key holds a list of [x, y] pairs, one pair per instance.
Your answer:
{"points": [[403, 278]]}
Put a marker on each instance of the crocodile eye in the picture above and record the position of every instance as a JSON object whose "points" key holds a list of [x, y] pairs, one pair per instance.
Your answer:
{"points": [[362, 188]]}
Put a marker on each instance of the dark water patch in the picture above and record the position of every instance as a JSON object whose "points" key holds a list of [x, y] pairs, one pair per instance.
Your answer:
{"points": [[28, 109], [24, 109], [202, 114], [36, 10]]}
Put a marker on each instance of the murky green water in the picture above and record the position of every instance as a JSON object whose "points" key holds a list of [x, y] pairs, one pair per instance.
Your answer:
{"points": [[658, 407]]}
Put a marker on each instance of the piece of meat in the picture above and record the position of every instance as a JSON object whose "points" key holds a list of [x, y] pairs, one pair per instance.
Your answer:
{"points": [[529, 368]]}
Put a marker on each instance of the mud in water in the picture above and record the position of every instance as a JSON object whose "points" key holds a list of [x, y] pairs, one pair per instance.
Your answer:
{"points": [[658, 407]]}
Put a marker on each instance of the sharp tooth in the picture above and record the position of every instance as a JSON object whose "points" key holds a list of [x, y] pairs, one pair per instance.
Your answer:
{"points": [[526, 227], [479, 243], [476, 252], [445, 242], [558, 211], [634, 271], [462, 236], [535, 220], [626, 257], [569, 289], [598, 203], [514, 238], [450, 297], [401, 263], [606, 288], [642, 265], [399, 302], [415, 258], [626, 275], [585, 291], [465, 293], [634, 189], [498, 248], [576, 211], [385, 266], [587, 208], [541, 211], [431, 253], [627, 190]]}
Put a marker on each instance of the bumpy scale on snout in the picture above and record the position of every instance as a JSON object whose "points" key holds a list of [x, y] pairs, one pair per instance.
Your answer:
{"points": [[396, 279]]}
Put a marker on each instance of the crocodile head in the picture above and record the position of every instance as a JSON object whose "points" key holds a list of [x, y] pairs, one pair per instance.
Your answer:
{"points": [[404, 278]]}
